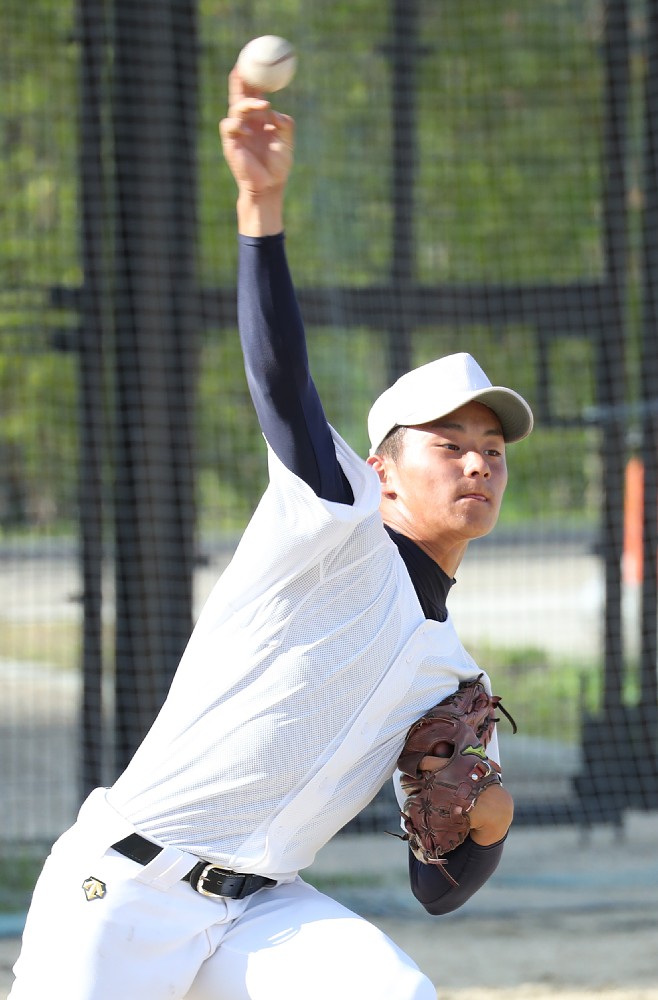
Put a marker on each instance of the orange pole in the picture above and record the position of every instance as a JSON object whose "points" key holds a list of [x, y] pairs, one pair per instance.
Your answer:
{"points": [[633, 515]]}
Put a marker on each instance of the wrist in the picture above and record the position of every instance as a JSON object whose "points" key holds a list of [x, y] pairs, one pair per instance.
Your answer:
{"points": [[491, 816], [260, 214], [487, 836]]}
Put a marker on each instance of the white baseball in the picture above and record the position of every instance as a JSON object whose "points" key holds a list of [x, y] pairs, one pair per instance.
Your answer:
{"points": [[268, 63]]}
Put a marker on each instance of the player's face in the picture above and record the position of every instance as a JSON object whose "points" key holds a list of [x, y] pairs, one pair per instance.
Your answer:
{"points": [[447, 486]]}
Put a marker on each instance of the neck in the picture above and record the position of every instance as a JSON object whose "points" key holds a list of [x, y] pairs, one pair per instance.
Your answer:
{"points": [[446, 553], [449, 559]]}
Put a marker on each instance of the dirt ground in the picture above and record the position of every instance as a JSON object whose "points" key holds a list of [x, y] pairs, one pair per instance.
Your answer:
{"points": [[565, 915]]}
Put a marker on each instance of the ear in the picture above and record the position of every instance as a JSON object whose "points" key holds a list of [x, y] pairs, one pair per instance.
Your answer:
{"points": [[381, 465]]}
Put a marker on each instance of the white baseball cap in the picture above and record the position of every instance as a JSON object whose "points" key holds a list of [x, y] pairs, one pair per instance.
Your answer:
{"points": [[439, 388]]}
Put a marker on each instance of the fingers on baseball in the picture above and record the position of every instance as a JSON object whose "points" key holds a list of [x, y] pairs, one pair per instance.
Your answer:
{"points": [[243, 99], [242, 116], [238, 88], [248, 108]]}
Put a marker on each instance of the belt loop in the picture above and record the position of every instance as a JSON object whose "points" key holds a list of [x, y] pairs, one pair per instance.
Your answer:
{"points": [[168, 868]]}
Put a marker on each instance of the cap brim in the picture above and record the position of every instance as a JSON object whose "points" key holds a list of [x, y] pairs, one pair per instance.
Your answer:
{"points": [[513, 412], [515, 415]]}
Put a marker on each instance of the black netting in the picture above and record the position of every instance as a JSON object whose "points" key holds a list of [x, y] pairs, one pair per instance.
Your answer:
{"points": [[469, 176]]}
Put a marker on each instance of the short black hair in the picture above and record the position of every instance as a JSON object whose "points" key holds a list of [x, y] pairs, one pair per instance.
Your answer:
{"points": [[392, 445]]}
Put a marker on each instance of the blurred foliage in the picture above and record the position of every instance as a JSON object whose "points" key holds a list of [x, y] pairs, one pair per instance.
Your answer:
{"points": [[19, 871], [544, 692], [510, 119]]}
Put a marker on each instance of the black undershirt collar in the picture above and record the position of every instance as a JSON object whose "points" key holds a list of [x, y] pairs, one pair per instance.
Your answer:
{"points": [[431, 584]]}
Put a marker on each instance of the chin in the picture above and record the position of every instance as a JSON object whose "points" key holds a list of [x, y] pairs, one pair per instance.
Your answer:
{"points": [[481, 530]]}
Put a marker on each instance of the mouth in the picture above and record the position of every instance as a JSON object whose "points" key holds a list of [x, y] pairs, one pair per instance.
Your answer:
{"points": [[479, 497]]}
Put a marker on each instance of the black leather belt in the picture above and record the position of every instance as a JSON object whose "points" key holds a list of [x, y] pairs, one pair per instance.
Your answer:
{"points": [[205, 878]]}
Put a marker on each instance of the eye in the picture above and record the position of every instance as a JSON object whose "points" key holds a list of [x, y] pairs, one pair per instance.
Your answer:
{"points": [[493, 452], [449, 445]]}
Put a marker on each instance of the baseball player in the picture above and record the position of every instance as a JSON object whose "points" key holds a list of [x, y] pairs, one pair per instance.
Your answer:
{"points": [[324, 640]]}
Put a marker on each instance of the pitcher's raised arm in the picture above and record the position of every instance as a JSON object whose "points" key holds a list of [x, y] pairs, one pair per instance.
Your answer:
{"points": [[258, 146]]}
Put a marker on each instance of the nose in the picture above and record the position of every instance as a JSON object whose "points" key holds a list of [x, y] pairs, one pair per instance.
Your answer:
{"points": [[475, 464]]}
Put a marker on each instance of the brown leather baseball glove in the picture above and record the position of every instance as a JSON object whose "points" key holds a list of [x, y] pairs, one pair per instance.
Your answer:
{"points": [[437, 804]]}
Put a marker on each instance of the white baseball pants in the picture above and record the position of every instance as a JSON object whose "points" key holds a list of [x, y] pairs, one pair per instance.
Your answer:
{"points": [[145, 935]]}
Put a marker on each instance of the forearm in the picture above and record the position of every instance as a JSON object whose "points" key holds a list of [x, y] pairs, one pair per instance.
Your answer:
{"points": [[471, 865], [276, 361]]}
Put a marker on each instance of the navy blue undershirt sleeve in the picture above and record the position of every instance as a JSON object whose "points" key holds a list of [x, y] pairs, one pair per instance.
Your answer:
{"points": [[276, 364], [470, 864]]}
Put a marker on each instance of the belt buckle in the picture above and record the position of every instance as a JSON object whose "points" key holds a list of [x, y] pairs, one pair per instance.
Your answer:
{"points": [[204, 875]]}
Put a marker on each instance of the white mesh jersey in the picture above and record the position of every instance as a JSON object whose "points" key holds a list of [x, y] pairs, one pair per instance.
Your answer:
{"points": [[308, 663]]}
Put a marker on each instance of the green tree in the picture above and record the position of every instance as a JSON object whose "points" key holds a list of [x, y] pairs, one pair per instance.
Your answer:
{"points": [[508, 189]]}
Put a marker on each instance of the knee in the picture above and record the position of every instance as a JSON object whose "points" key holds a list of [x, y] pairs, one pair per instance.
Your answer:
{"points": [[392, 975], [408, 984], [412, 985], [423, 989]]}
